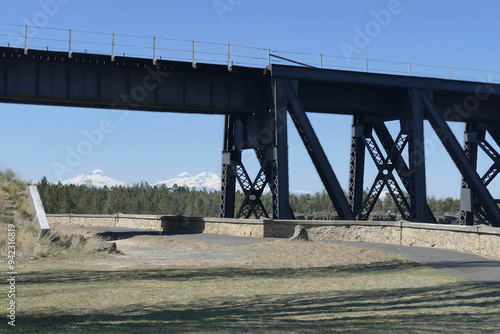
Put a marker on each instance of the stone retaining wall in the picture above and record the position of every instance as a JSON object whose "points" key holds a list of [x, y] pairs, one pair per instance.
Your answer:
{"points": [[119, 220], [482, 240]]}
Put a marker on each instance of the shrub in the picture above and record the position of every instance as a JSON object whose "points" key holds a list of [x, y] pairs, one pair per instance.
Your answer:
{"points": [[12, 190], [10, 175]]}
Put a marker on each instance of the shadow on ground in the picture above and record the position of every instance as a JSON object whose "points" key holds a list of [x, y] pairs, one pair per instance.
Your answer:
{"points": [[180, 274], [114, 236], [437, 309]]}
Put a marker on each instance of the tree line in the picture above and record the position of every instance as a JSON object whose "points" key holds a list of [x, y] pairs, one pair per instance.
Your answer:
{"points": [[153, 200]]}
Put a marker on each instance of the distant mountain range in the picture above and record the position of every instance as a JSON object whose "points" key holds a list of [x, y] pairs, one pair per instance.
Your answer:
{"points": [[206, 180], [97, 178]]}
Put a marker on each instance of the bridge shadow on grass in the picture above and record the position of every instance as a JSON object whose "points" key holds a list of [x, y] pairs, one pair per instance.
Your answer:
{"points": [[460, 307], [113, 236], [465, 264], [181, 274]]}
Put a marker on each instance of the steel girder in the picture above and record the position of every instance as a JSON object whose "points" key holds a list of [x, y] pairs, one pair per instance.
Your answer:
{"points": [[461, 160], [318, 155]]}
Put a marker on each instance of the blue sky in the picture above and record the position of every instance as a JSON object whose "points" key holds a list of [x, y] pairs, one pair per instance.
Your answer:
{"points": [[153, 147]]}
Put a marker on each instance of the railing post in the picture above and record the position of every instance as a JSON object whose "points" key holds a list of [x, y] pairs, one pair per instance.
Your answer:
{"points": [[26, 41], [366, 65], [321, 60], [229, 66], [194, 60], [113, 48], [409, 68], [154, 51], [269, 55], [70, 54]]}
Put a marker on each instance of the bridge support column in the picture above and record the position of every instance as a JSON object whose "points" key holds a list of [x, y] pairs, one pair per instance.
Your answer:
{"points": [[469, 204], [228, 177], [357, 165], [466, 195], [416, 149], [280, 183]]}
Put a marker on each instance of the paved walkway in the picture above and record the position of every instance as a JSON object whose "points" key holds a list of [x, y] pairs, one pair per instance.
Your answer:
{"points": [[473, 267], [469, 266]]}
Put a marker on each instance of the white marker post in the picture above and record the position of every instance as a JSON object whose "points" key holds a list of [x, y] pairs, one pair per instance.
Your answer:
{"points": [[40, 212]]}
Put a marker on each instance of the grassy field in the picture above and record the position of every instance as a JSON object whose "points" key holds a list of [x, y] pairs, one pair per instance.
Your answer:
{"points": [[270, 287]]}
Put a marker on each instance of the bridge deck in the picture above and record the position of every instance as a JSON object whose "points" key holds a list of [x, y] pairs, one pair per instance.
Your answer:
{"points": [[95, 81]]}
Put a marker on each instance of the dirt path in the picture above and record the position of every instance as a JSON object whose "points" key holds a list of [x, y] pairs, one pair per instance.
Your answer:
{"points": [[220, 250]]}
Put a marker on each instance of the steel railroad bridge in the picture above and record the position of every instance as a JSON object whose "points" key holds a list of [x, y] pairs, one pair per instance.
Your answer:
{"points": [[256, 102]]}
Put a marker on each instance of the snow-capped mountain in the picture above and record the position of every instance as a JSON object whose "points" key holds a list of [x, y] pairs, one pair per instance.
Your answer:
{"points": [[206, 180], [95, 178]]}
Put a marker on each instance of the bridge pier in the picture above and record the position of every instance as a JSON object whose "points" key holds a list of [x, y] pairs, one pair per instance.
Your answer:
{"points": [[475, 138], [466, 196], [416, 157], [356, 165], [280, 186], [238, 136]]}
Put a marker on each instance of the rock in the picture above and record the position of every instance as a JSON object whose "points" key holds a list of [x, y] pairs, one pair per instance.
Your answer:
{"points": [[104, 246], [65, 240], [382, 216], [300, 234]]}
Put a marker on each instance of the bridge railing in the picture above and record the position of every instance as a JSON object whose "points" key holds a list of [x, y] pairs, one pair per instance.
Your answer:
{"points": [[154, 48]]}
